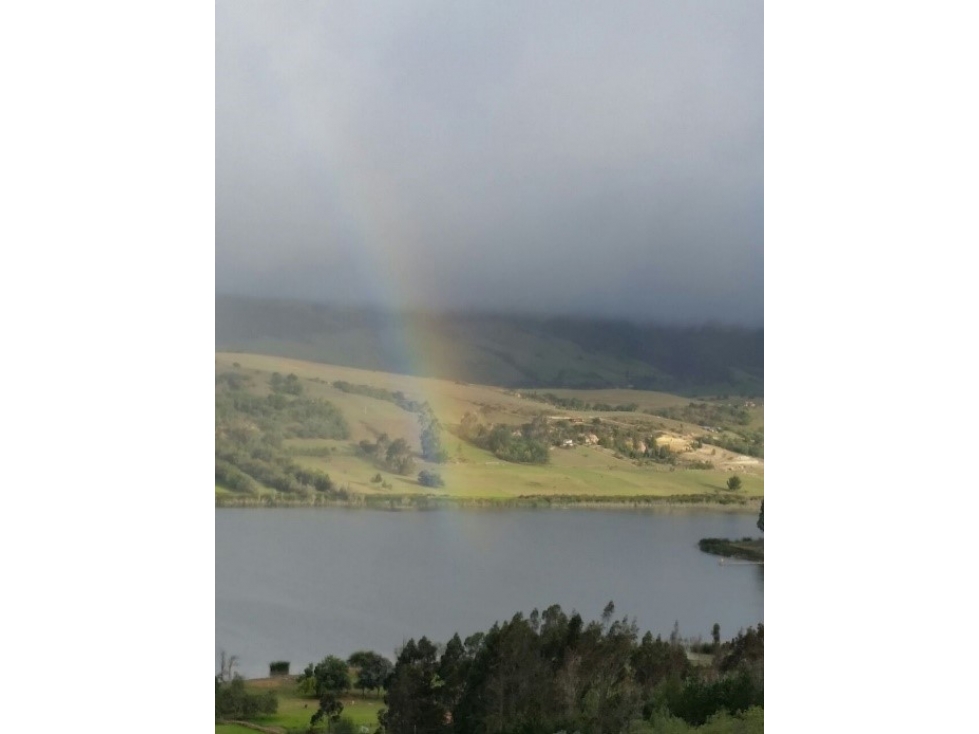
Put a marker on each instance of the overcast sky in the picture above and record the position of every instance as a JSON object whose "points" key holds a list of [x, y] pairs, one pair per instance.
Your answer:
{"points": [[562, 157]]}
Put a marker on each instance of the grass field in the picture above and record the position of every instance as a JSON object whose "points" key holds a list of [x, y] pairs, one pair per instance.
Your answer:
{"points": [[474, 473], [294, 711]]}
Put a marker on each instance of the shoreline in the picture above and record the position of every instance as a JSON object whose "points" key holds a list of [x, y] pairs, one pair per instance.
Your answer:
{"points": [[400, 503]]}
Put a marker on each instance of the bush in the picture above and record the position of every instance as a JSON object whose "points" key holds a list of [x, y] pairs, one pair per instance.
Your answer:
{"points": [[700, 465], [232, 701], [343, 725], [430, 479]]}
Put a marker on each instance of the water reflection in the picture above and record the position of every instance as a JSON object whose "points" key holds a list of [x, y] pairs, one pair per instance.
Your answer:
{"points": [[299, 584]]}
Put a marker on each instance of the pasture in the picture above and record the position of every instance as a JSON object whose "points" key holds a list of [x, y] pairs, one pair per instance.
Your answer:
{"points": [[474, 473], [295, 711]]}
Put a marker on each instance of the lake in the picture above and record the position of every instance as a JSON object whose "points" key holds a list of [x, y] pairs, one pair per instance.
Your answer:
{"points": [[300, 584]]}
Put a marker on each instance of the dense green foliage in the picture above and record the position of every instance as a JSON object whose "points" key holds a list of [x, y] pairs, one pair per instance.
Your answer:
{"points": [[249, 430], [749, 443], [397, 397], [330, 708], [519, 446], [725, 423], [707, 414], [288, 385], [578, 404], [431, 437], [749, 721], [550, 672], [746, 548], [275, 416], [530, 442], [393, 456], [232, 701], [372, 669], [430, 479], [330, 674]]}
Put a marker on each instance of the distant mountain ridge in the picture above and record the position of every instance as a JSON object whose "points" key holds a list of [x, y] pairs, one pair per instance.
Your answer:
{"points": [[517, 351]]}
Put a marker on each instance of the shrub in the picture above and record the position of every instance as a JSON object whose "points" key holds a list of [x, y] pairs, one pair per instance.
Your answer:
{"points": [[232, 701], [430, 479]]}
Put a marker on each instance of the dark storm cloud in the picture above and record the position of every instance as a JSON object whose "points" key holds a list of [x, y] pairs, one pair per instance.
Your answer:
{"points": [[561, 156]]}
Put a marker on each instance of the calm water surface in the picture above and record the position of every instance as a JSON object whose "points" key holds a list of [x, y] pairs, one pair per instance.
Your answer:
{"points": [[300, 584]]}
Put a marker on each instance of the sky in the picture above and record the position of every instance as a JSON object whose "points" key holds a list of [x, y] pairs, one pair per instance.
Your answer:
{"points": [[549, 157]]}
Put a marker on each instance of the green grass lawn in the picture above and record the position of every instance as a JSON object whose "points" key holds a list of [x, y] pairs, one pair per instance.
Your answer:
{"points": [[295, 711], [232, 729]]}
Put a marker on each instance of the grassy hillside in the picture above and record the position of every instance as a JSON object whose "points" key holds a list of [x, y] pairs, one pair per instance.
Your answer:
{"points": [[318, 430], [506, 350]]}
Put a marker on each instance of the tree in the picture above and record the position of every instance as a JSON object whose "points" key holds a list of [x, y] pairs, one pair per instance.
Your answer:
{"points": [[330, 706], [431, 439], [397, 458], [734, 483], [414, 694], [292, 385], [372, 669], [233, 701], [430, 479], [228, 664], [761, 517], [330, 674]]}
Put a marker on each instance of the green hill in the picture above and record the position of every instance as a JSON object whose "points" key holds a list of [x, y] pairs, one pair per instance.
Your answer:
{"points": [[301, 431], [505, 350]]}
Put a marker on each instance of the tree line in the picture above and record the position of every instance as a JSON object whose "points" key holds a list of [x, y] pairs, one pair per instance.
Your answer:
{"points": [[749, 443], [550, 672], [379, 393], [526, 444], [578, 404], [539, 674], [530, 443], [710, 414]]}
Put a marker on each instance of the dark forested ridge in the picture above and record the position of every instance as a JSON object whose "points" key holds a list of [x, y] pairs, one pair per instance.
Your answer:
{"points": [[498, 349]]}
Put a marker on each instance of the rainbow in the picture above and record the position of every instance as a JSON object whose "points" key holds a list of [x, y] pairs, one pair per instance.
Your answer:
{"points": [[384, 233]]}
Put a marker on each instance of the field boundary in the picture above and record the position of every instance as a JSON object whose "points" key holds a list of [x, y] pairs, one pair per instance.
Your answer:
{"points": [[250, 725], [435, 502]]}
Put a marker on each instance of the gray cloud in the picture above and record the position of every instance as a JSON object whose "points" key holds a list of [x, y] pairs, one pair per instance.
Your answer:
{"points": [[560, 156]]}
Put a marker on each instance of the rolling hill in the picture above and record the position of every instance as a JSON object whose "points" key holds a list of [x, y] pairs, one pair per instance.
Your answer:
{"points": [[498, 349], [298, 430]]}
